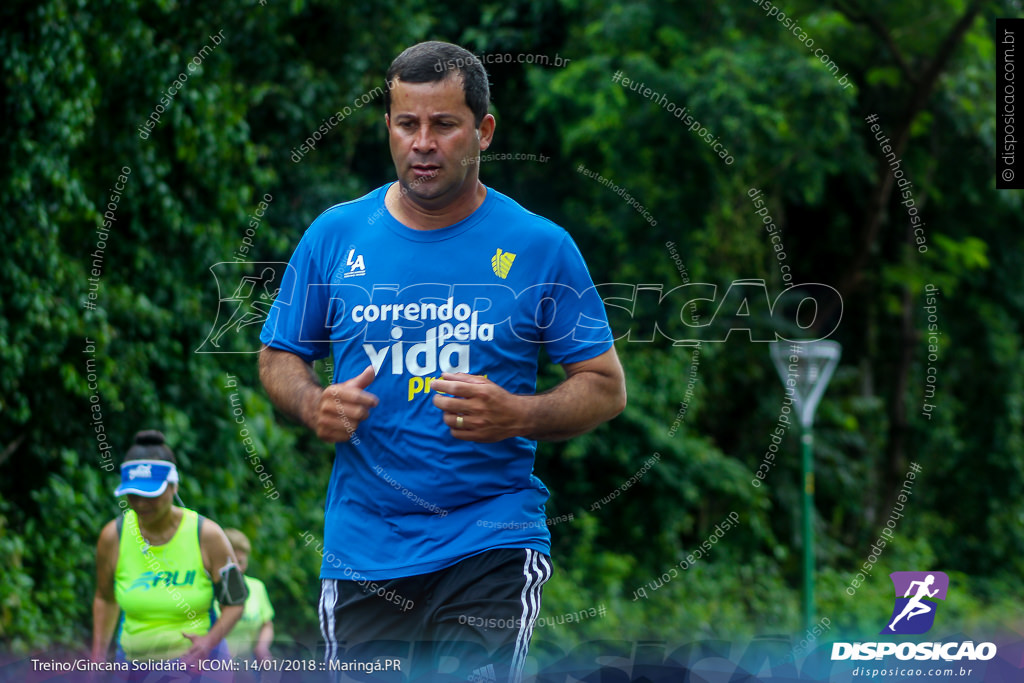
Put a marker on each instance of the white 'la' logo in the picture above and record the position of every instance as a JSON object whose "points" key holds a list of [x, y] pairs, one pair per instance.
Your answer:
{"points": [[356, 267]]}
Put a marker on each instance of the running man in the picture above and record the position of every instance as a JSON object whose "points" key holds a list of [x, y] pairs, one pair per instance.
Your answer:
{"points": [[432, 500], [915, 606], [248, 310]]}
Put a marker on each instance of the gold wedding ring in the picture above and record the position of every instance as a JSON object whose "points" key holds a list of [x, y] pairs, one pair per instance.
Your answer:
{"points": [[459, 422]]}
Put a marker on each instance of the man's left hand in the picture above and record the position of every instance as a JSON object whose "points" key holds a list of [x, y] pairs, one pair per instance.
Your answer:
{"points": [[477, 409]]}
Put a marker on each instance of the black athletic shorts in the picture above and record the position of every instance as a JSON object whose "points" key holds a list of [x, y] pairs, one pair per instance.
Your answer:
{"points": [[468, 622]]}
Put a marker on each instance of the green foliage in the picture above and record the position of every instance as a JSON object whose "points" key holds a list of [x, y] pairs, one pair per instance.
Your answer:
{"points": [[81, 78]]}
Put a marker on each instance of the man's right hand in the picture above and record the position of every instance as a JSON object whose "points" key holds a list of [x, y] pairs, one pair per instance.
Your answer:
{"points": [[341, 407]]}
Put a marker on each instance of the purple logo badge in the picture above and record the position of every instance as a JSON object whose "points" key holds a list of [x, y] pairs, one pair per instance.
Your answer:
{"points": [[916, 593]]}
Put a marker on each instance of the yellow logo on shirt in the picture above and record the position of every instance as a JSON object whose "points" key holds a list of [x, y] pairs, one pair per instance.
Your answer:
{"points": [[501, 262]]}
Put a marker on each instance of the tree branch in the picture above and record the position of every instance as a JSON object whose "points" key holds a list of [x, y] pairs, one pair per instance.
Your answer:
{"points": [[11, 447], [883, 187], [876, 25], [923, 89]]}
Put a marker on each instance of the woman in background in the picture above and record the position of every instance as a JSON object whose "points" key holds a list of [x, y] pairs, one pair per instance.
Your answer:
{"points": [[164, 565]]}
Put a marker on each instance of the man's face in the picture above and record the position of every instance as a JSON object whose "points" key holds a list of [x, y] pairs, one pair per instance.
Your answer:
{"points": [[434, 143]]}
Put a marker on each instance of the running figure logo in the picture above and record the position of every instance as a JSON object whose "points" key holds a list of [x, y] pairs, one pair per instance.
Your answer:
{"points": [[916, 592], [246, 292]]}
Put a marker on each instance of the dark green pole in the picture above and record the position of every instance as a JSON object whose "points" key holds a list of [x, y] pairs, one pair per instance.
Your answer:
{"points": [[808, 528], [821, 358]]}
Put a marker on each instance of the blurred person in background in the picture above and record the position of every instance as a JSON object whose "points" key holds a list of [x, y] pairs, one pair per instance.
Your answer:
{"points": [[164, 565], [252, 635]]}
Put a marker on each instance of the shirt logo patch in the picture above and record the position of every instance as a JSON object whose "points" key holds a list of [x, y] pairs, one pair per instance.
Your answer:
{"points": [[355, 263], [149, 580], [501, 263]]}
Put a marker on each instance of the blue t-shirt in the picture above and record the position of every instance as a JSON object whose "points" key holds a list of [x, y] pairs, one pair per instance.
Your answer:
{"points": [[480, 296]]}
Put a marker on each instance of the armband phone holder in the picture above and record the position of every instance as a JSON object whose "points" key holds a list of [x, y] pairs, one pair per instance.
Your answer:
{"points": [[232, 588]]}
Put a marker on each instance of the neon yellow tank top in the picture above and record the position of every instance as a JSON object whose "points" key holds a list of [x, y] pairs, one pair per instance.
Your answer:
{"points": [[163, 591]]}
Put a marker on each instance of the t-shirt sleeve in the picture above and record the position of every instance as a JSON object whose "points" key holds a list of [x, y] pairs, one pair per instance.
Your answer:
{"points": [[574, 321], [297, 321], [266, 609]]}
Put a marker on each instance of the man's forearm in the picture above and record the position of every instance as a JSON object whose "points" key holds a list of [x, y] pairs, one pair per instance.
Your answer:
{"points": [[476, 409], [577, 405], [291, 384]]}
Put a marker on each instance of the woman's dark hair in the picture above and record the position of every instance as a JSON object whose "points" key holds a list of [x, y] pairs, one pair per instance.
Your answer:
{"points": [[150, 445], [435, 61]]}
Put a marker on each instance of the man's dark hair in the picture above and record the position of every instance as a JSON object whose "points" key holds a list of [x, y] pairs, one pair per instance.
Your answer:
{"points": [[434, 61]]}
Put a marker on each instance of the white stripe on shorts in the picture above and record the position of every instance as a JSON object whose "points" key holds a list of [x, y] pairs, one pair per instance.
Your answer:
{"points": [[536, 572], [328, 601]]}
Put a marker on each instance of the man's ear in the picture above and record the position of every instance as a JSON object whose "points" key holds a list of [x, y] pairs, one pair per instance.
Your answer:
{"points": [[485, 131]]}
